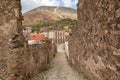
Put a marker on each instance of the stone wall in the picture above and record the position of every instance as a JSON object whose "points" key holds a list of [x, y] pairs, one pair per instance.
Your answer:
{"points": [[95, 42], [11, 38], [18, 61], [37, 59]]}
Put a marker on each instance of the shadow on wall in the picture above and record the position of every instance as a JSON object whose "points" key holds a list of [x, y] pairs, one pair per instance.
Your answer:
{"points": [[38, 58]]}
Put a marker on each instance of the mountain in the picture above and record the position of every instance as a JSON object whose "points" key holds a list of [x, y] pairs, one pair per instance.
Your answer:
{"points": [[48, 13]]}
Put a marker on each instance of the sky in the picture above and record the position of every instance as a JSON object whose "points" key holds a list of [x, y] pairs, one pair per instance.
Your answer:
{"points": [[31, 4]]}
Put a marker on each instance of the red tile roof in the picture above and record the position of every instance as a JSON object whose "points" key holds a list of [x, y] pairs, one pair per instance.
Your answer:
{"points": [[37, 37]]}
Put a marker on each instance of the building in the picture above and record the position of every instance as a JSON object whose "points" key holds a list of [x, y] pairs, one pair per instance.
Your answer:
{"points": [[26, 32], [36, 38]]}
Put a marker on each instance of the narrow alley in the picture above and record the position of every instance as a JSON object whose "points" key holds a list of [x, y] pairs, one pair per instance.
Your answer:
{"points": [[60, 69], [60, 40]]}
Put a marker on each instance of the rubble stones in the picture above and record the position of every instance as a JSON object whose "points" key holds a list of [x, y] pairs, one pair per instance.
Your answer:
{"points": [[95, 42]]}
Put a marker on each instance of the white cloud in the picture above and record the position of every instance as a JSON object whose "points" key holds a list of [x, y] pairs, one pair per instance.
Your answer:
{"points": [[47, 2], [31, 4], [69, 3]]}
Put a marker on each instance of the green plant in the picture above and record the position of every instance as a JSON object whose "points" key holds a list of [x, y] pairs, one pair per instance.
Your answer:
{"points": [[62, 23]]}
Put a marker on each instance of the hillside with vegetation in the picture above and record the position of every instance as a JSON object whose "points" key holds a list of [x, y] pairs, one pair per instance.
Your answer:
{"points": [[60, 23], [48, 15]]}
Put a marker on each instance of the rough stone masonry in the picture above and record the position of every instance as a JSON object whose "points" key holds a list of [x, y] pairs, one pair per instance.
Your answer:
{"points": [[19, 61], [95, 42], [11, 39]]}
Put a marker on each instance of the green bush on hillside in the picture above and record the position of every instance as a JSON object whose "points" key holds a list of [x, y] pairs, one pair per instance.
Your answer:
{"points": [[63, 22]]}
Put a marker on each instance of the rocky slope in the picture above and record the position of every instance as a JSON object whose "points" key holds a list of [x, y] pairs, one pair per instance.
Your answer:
{"points": [[47, 13], [95, 42]]}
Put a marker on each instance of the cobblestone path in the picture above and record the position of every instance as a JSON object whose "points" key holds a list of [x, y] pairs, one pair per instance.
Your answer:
{"points": [[60, 70]]}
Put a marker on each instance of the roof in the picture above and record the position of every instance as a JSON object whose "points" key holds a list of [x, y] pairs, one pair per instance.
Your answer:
{"points": [[37, 37]]}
